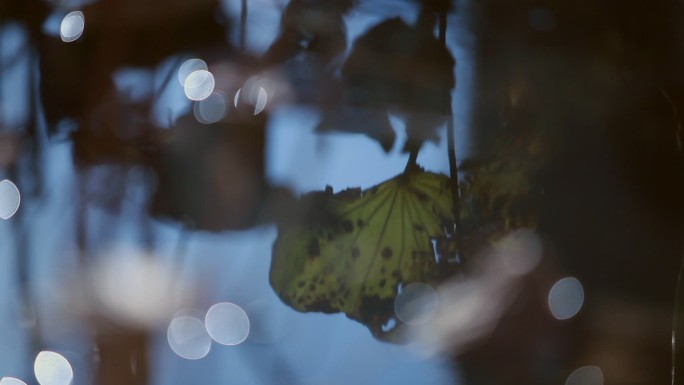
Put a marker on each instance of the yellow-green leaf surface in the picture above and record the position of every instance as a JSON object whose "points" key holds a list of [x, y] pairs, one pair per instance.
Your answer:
{"points": [[372, 242]]}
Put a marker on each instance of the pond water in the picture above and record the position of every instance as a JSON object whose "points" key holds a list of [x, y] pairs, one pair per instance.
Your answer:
{"points": [[334, 192]]}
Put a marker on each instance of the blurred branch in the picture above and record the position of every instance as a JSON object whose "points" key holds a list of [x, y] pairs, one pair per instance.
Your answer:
{"points": [[28, 313], [243, 25], [451, 148]]}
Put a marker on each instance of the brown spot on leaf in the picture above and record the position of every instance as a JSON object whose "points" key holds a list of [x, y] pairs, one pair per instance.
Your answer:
{"points": [[387, 253], [422, 196]]}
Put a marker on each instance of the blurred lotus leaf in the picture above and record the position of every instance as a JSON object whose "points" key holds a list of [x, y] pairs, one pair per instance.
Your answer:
{"points": [[396, 68], [505, 187], [373, 122], [211, 176], [358, 247], [314, 27]]}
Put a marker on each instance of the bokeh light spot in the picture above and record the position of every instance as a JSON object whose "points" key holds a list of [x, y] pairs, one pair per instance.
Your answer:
{"points": [[261, 101], [521, 251], [72, 26], [199, 85], [586, 375], [566, 298], [132, 288], [210, 110], [236, 99], [188, 67], [10, 199], [256, 92], [188, 338], [416, 303], [52, 368], [227, 323], [11, 381]]}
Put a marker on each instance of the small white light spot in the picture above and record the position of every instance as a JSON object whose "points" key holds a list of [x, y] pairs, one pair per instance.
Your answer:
{"points": [[210, 110], [261, 101], [11, 381], [188, 338], [199, 85], [188, 67], [10, 199], [72, 26], [586, 375], [51, 368], [237, 97], [566, 298], [416, 303], [227, 323]]}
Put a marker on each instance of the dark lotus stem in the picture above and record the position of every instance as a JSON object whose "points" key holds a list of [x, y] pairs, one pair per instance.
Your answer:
{"points": [[412, 160], [243, 25], [453, 166]]}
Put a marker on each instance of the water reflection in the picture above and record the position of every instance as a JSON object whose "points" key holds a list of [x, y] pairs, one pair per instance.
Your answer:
{"points": [[227, 323], [483, 298], [10, 198], [566, 298], [52, 368], [72, 26]]}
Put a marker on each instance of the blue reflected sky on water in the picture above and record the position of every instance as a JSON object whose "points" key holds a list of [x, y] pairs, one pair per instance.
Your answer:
{"points": [[310, 348]]}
